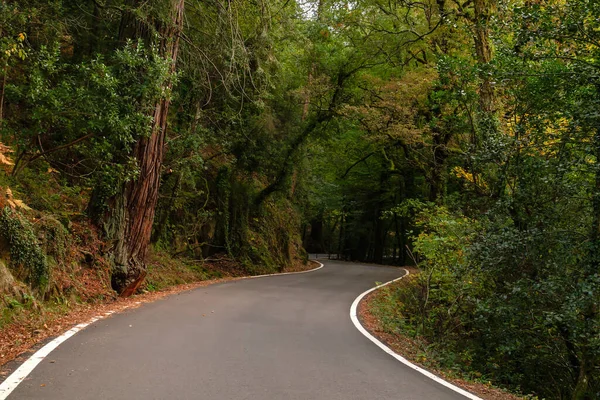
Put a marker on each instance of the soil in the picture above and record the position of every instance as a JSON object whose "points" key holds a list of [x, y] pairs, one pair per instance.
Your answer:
{"points": [[409, 349]]}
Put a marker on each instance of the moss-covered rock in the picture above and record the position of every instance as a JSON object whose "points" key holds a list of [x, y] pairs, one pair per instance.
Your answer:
{"points": [[9, 287]]}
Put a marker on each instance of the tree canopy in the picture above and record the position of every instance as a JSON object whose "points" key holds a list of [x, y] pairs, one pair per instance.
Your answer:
{"points": [[461, 137]]}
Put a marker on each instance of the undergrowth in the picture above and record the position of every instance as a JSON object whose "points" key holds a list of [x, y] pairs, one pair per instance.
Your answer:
{"points": [[396, 310], [26, 256], [165, 271]]}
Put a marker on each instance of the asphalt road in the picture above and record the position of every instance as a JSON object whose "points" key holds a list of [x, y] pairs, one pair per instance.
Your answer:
{"points": [[284, 337]]}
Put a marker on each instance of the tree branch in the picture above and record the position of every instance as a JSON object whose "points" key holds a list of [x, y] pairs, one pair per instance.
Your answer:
{"points": [[357, 162], [64, 146]]}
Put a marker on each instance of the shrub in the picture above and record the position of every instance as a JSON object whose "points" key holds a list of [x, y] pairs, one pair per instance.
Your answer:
{"points": [[26, 256]]}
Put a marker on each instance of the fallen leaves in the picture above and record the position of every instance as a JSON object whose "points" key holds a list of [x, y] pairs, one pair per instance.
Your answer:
{"points": [[14, 203], [4, 157]]}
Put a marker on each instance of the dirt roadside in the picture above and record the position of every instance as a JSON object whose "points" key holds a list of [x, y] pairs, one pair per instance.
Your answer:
{"points": [[409, 349]]}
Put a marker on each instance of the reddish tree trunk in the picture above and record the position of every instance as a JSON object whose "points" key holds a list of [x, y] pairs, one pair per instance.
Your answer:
{"points": [[129, 221]]}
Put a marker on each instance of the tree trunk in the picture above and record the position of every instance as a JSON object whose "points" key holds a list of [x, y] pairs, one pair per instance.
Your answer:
{"points": [[316, 234], [341, 237], [128, 223], [438, 178], [581, 386], [5, 73], [483, 48], [594, 257], [379, 234], [401, 240]]}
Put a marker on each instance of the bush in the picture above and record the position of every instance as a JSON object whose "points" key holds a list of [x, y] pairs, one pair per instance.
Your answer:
{"points": [[500, 301], [26, 257]]}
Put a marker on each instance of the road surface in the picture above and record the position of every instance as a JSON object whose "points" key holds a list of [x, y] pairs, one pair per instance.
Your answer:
{"points": [[285, 337]]}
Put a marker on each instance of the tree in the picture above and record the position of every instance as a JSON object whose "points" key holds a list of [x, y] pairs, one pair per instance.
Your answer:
{"points": [[128, 220]]}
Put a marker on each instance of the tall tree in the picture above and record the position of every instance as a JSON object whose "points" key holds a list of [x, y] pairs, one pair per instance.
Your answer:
{"points": [[128, 220]]}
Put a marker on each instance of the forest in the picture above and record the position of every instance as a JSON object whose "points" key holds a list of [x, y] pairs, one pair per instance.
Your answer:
{"points": [[460, 137]]}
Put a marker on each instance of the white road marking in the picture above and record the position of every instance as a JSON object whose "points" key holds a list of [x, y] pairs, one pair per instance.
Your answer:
{"points": [[25, 369], [284, 273], [358, 325]]}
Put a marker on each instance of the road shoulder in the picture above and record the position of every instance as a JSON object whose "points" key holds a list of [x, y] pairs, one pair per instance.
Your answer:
{"points": [[19, 342], [408, 348]]}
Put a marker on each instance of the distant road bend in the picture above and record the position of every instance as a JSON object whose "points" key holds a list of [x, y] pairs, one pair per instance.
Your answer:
{"points": [[284, 337]]}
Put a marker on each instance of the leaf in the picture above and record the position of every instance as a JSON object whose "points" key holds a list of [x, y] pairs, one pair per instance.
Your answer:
{"points": [[14, 203], [20, 204], [4, 158]]}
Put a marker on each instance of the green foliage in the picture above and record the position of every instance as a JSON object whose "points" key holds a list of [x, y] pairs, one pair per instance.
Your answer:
{"points": [[508, 240], [53, 238], [449, 284], [26, 256], [13, 308], [165, 271], [102, 106], [460, 137]]}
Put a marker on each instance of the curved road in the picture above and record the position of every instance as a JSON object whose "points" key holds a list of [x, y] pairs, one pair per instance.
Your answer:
{"points": [[284, 337]]}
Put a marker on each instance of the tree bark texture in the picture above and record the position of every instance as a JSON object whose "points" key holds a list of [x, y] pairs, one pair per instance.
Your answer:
{"points": [[129, 222], [483, 48]]}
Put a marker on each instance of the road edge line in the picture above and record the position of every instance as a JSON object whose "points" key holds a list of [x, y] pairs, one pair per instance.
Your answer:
{"points": [[13, 380], [321, 265], [398, 357]]}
